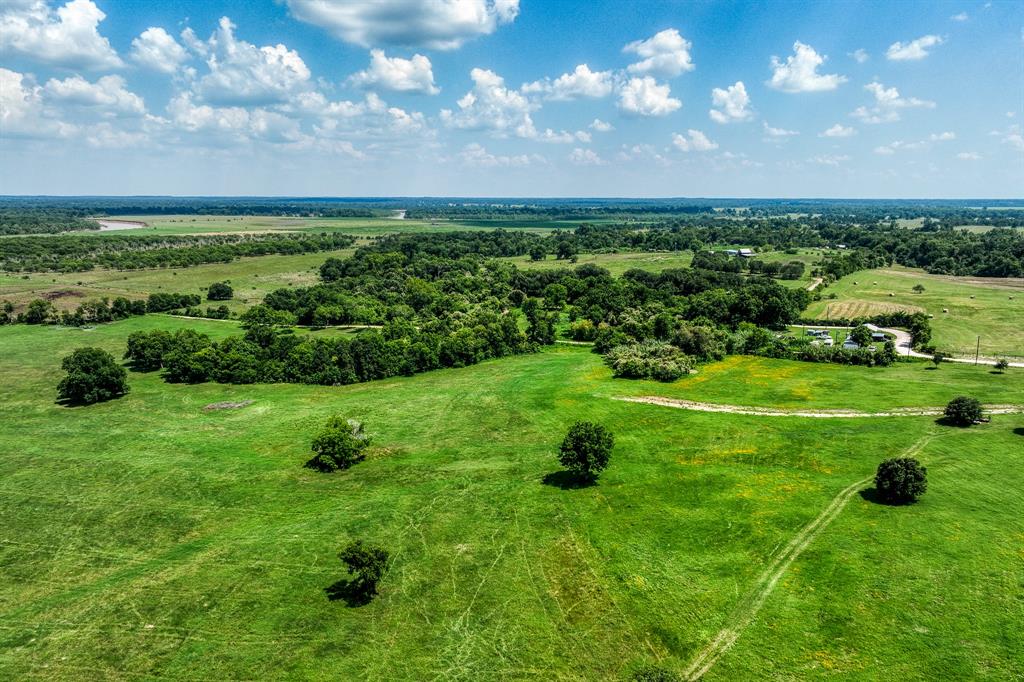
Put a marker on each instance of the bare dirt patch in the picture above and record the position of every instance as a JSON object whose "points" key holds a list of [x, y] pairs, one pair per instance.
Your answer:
{"points": [[63, 293], [227, 405], [820, 414]]}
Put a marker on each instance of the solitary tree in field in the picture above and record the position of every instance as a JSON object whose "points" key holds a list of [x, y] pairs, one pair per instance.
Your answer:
{"points": [[586, 449], [918, 288], [538, 253], [901, 480], [219, 291], [92, 376], [1002, 364], [937, 359], [366, 563], [963, 411], [339, 445]]}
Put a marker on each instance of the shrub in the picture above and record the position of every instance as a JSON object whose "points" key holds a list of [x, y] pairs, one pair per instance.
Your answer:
{"points": [[963, 411], [582, 330], [648, 360], [339, 445], [1002, 364], [937, 359], [92, 376], [901, 480], [586, 449], [366, 563], [220, 291]]}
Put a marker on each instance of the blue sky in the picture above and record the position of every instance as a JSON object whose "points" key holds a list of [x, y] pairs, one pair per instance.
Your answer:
{"points": [[512, 98]]}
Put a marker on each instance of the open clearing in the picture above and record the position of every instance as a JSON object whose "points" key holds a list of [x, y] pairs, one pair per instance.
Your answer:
{"points": [[987, 307], [151, 537]]}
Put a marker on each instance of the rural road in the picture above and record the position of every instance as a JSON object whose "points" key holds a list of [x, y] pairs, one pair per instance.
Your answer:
{"points": [[815, 284], [903, 345]]}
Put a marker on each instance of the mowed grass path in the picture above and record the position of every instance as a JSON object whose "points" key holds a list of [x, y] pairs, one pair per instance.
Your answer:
{"points": [[148, 537], [990, 308]]}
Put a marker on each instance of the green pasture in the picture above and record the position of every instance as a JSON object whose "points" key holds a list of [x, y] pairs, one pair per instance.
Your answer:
{"points": [[149, 537]]}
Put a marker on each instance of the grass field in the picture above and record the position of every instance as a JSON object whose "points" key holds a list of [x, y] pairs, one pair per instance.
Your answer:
{"points": [[618, 263], [251, 278], [977, 307], [148, 537]]}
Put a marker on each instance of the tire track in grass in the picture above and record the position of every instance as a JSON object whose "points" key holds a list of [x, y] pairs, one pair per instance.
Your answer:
{"points": [[745, 612]]}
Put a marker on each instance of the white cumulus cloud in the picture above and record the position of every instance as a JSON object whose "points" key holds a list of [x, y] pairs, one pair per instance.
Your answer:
{"points": [[599, 126], [860, 55], [492, 106], [476, 155], [829, 159], [645, 97], [888, 103], [665, 54], [68, 36], [244, 74], [21, 108], [106, 94], [582, 82], [437, 24], [696, 142], [838, 130], [914, 50], [585, 157], [969, 156], [799, 73], [731, 104], [942, 137], [778, 132], [156, 49], [397, 74]]}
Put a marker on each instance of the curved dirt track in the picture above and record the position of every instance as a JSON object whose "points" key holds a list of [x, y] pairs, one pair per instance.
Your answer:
{"points": [[744, 612], [817, 414]]}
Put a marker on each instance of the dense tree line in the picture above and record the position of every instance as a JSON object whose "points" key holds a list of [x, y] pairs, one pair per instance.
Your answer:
{"points": [[268, 352], [14, 220], [77, 253], [113, 206]]}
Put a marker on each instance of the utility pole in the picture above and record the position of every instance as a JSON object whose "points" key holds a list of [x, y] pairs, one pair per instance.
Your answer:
{"points": [[977, 351]]}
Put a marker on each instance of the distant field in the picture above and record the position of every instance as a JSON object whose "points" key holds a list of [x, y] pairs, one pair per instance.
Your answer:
{"points": [[148, 537], [252, 279], [977, 306], [616, 263], [364, 227]]}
